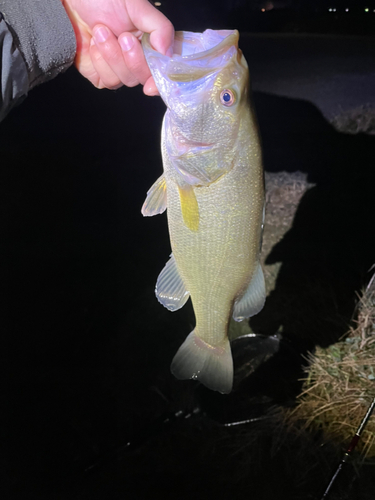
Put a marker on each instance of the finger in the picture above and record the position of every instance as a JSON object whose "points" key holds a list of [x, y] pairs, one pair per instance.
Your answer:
{"points": [[86, 68], [83, 60], [134, 58], [150, 88], [111, 53], [107, 77], [148, 19]]}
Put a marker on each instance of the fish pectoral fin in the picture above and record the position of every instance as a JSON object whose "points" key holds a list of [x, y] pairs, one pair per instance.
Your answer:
{"points": [[170, 289], [253, 299], [189, 207], [156, 199]]}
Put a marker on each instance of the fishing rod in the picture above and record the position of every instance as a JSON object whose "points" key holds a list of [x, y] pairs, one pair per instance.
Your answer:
{"points": [[350, 449]]}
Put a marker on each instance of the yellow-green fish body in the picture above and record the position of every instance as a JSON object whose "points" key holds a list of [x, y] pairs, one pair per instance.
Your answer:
{"points": [[213, 189]]}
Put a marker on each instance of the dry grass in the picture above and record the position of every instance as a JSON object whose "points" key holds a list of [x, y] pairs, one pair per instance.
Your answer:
{"points": [[284, 191], [359, 120], [340, 383]]}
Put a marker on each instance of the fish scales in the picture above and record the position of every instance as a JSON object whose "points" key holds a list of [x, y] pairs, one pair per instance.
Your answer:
{"points": [[214, 195], [222, 248]]}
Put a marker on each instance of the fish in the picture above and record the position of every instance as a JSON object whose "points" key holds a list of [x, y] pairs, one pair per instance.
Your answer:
{"points": [[212, 188]]}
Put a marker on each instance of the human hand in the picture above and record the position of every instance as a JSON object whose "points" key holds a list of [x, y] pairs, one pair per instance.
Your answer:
{"points": [[108, 33]]}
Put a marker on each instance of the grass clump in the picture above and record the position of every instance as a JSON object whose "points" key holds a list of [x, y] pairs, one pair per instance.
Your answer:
{"points": [[340, 383], [358, 120]]}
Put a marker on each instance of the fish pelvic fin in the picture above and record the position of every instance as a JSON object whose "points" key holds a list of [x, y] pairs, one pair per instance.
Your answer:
{"points": [[189, 207], [156, 199], [170, 289], [211, 365], [252, 301]]}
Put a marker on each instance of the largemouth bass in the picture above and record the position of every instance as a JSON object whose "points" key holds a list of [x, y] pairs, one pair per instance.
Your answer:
{"points": [[213, 188]]}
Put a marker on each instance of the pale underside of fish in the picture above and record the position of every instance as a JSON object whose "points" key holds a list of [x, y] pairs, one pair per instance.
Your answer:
{"points": [[213, 190]]}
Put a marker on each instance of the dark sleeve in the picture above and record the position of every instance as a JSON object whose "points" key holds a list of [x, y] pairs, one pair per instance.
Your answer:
{"points": [[37, 42]]}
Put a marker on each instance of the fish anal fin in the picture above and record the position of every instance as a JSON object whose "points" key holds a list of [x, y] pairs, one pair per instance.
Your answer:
{"points": [[170, 289], [156, 199], [253, 299], [211, 365], [189, 207]]}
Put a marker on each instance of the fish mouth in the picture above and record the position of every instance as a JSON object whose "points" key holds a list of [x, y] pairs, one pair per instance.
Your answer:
{"points": [[185, 42], [195, 55]]}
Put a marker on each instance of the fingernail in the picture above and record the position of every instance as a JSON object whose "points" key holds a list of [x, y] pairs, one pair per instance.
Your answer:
{"points": [[169, 52], [150, 90], [126, 43], [101, 34]]}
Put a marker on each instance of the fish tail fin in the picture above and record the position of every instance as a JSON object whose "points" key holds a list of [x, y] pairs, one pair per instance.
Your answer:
{"points": [[211, 365]]}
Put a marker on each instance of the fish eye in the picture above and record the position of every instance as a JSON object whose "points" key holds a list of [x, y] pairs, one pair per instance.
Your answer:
{"points": [[227, 97]]}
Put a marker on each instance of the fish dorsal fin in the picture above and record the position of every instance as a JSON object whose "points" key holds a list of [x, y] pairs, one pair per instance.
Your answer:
{"points": [[170, 289], [189, 207], [253, 299], [156, 199]]}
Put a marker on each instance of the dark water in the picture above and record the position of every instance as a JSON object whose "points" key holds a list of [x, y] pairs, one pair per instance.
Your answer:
{"points": [[88, 347]]}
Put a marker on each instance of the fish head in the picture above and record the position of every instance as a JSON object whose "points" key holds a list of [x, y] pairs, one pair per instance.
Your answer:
{"points": [[205, 86]]}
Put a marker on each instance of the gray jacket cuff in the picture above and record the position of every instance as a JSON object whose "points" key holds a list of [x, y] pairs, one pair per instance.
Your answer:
{"points": [[44, 35], [14, 82]]}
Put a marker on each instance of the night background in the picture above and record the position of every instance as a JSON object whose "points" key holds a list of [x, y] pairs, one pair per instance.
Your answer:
{"points": [[89, 407]]}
